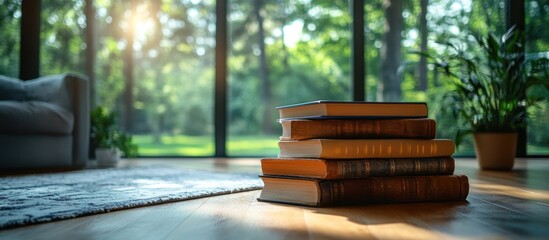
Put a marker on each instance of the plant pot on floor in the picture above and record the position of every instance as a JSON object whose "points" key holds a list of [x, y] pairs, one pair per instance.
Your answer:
{"points": [[495, 151], [107, 157]]}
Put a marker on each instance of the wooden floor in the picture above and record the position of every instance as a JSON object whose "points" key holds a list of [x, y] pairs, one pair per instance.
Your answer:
{"points": [[501, 205]]}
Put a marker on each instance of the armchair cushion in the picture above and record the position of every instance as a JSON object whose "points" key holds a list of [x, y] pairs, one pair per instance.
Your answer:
{"points": [[34, 117], [12, 89]]}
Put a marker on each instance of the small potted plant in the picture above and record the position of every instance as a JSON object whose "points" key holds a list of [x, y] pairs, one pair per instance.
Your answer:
{"points": [[110, 143], [493, 87]]}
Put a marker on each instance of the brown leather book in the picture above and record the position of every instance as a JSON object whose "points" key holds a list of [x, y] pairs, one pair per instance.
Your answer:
{"points": [[366, 148], [421, 128], [402, 189], [339, 169], [324, 108]]}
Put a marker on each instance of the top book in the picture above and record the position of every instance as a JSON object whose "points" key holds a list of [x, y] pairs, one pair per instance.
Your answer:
{"points": [[347, 109]]}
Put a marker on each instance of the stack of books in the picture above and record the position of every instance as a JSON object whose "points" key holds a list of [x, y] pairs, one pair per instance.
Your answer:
{"points": [[337, 153]]}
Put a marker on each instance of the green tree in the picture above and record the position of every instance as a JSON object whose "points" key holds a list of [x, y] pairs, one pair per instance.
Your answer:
{"points": [[10, 23], [62, 33], [390, 84]]}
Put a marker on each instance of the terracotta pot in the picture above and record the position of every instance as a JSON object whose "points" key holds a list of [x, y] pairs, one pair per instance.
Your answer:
{"points": [[495, 151]]}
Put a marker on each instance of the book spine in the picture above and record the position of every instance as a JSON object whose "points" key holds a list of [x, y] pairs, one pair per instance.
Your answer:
{"points": [[370, 128], [393, 190], [401, 148], [389, 167]]}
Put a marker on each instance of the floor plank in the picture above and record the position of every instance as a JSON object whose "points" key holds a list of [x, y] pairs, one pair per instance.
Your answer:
{"points": [[501, 205]]}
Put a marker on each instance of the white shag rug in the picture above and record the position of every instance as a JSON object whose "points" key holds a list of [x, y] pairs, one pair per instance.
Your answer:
{"points": [[48, 197]]}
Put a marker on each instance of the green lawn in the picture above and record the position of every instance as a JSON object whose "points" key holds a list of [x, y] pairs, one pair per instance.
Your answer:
{"points": [[178, 145], [538, 150], [252, 146], [181, 145]]}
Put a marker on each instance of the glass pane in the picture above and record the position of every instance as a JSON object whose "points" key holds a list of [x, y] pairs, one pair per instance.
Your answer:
{"points": [[62, 37], [10, 25], [537, 45], [282, 52], [170, 68], [395, 28]]}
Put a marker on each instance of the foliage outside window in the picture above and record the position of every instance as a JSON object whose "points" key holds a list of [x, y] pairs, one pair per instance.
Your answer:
{"points": [[169, 64], [282, 52], [10, 13], [62, 31], [537, 45]]}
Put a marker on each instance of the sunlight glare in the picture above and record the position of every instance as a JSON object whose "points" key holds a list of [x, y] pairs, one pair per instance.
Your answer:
{"points": [[152, 184], [518, 192], [143, 28], [293, 32]]}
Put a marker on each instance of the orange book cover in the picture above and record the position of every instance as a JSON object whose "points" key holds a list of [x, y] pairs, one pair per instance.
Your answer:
{"points": [[366, 148], [356, 168]]}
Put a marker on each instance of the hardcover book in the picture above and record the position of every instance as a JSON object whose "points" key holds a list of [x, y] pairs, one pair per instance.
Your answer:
{"points": [[366, 148], [361, 168], [322, 108], [422, 128], [317, 192]]}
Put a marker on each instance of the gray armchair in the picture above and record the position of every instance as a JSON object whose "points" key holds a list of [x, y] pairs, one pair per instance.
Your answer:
{"points": [[44, 122]]}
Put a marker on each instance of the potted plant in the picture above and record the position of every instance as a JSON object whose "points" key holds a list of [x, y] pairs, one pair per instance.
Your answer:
{"points": [[110, 143], [493, 87]]}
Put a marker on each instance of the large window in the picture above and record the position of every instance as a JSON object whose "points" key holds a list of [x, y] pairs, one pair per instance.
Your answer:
{"points": [[154, 61], [63, 46], [537, 45], [394, 29], [282, 52], [163, 51]]}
